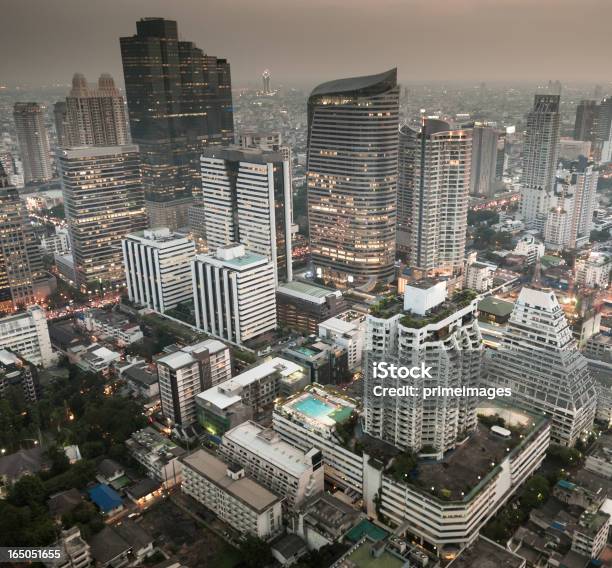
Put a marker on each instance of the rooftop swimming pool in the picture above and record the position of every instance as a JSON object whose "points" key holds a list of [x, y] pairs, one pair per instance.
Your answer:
{"points": [[317, 409]]}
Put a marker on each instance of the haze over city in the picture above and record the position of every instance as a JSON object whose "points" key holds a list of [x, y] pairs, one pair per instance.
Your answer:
{"points": [[305, 42]]}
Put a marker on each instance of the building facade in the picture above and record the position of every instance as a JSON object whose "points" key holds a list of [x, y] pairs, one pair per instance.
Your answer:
{"points": [[352, 177], [234, 294], [104, 202], [33, 140], [27, 335], [157, 267]]}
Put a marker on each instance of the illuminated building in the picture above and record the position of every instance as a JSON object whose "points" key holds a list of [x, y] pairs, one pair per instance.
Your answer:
{"points": [[104, 202], [352, 177], [33, 141], [27, 335], [179, 102], [433, 195]]}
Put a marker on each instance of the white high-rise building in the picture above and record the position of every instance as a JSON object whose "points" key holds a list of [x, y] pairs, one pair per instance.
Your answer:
{"points": [[433, 195], [234, 294], [27, 335], [540, 154], [247, 199], [158, 268], [570, 218], [284, 469], [427, 330], [539, 360], [186, 373]]}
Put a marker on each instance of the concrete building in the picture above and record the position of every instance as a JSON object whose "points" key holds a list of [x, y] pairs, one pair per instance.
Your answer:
{"points": [[433, 195], [426, 329], [529, 247], [59, 243], [484, 552], [110, 325], [248, 200], [76, 551], [33, 141], [95, 116], [158, 455], [352, 148], [484, 159], [302, 306], [325, 362], [593, 271], [97, 359], [17, 373], [186, 373], [540, 159], [285, 470], [239, 501], [479, 275], [157, 267], [247, 396], [104, 202], [27, 335], [234, 294], [539, 360], [346, 330]]}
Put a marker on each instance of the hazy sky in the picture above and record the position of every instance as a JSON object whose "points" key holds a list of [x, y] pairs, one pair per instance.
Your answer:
{"points": [[307, 41]]}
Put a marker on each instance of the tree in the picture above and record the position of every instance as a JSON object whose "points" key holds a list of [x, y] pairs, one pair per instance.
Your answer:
{"points": [[255, 552], [535, 493], [28, 490]]}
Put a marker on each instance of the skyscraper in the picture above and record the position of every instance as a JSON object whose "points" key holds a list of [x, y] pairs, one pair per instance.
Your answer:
{"points": [[484, 159], [435, 331], [60, 117], [352, 177], [95, 116], [179, 102], [586, 113], [540, 153], [20, 261], [265, 78], [539, 360], [104, 202], [433, 195], [33, 141], [602, 128], [247, 199]]}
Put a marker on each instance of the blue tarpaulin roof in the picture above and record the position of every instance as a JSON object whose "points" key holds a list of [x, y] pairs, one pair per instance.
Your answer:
{"points": [[105, 497]]}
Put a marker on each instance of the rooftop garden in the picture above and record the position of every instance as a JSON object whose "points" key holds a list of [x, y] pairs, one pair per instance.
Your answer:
{"points": [[441, 312]]}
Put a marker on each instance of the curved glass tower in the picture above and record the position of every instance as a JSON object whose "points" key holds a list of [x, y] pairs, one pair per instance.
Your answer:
{"points": [[352, 178]]}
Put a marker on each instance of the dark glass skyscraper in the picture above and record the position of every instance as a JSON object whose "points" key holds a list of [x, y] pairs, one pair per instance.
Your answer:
{"points": [[352, 177], [179, 102]]}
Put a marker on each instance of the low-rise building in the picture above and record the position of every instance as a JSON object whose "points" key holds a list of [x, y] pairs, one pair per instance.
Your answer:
{"points": [[27, 335], [283, 469], [591, 533], [247, 396], [484, 553], [530, 248], [593, 271], [158, 455], [226, 490], [97, 359], [75, 551], [325, 361], [479, 275], [599, 458], [110, 325], [599, 346], [302, 306], [346, 330], [141, 379]]}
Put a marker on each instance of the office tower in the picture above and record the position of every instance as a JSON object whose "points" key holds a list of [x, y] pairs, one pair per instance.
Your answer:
{"points": [[186, 373], [602, 142], [433, 195], [539, 360], [104, 202], [157, 266], [247, 199], [33, 140], [540, 153], [95, 116], [352, 177], [234, 294], [27, 335], [265, 77], [484, 160], [570, 218], [586, 113], [17, 256], [179, 102], [60, 117], [435, 332], [282, 468]]}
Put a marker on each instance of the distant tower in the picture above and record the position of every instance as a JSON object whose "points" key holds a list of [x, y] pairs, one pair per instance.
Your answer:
{"points": [[540, 154], [484, 159], [60, 116], [95, 116], [33, 141], [586, 112], [352, 177], [265, 77]]}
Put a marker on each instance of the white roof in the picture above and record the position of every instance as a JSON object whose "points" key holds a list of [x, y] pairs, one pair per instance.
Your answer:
{"points": [[338, 325], [105, 354], [540, 298], [7, 358], [229, 392], [274, 450], [184, 357]]}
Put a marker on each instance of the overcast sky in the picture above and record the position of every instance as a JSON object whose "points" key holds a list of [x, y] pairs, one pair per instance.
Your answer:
{"points": [[307, 41]]}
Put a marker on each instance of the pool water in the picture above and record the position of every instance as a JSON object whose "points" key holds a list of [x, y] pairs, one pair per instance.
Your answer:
{"points": [[313, 407]]}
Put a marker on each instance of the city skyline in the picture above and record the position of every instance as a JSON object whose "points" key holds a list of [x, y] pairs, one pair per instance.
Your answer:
{"points": [[395, 32]]}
